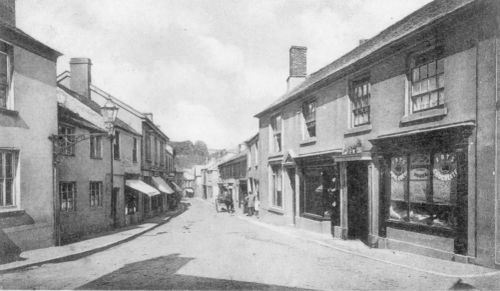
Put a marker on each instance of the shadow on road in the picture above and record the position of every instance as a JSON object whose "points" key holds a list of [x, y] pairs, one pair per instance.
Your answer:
{"points": [[160, 273]]}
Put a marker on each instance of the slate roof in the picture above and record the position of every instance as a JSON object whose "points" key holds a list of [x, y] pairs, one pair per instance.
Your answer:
{"points": [[423, 16], [68, 116]]}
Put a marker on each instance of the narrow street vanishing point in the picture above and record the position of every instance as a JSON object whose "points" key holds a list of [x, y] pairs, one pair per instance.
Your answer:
{"points": [[204, 249]]}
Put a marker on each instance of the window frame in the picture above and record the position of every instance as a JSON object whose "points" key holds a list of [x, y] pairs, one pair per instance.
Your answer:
{"points": [[277, 180], [309, 119], [95, 198], [73, 194], [434, 54], [7, 51], [67, 140], [356, 100], [95, 146], [116, 146], [13, 179], [276, 133]]}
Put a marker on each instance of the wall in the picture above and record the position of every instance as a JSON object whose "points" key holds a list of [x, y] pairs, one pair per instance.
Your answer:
{"points": [[35, 99]]}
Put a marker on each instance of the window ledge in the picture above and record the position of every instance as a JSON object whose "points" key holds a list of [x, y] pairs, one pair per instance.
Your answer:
{"points": [[358, 130], [96, 158], [276, 210], [428, 114], [309, 141], [9, 112], [11, 212]]}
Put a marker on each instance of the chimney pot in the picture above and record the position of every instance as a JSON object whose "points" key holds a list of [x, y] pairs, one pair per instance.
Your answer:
{"points": [[298, 66], [81, 76]]}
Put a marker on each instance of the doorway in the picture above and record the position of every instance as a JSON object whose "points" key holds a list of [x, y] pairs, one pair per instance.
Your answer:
{"points": [[291, 176], [357, 200], [114, 205], [242, 192]]}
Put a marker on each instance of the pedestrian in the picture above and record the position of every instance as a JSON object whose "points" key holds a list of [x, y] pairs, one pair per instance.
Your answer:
{"points": [[257, 205], [251, 203], [229, 202]]}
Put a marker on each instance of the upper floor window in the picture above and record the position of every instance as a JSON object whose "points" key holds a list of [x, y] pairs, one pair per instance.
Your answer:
{"points": [[116, 146], [134, 150], [96, 147], [360, 102], [162, 153], [5, 70], [276, 133], [8, 162], [309, 114], [67, 140], [148, 147], [427, 81]]}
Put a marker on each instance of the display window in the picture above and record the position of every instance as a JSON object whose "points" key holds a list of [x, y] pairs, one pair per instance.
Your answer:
{"points": [[423, 189], [321, 192]]}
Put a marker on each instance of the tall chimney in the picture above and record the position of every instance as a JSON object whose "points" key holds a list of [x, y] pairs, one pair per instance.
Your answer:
{"points": [[298, 66], [8, 11], [81, 76]]}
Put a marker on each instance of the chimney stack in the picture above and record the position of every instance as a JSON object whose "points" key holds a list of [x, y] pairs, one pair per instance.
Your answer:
{"points": [[298, 66], [81, 76], [8, 11]]}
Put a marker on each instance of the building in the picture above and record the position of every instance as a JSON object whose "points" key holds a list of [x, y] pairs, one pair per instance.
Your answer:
{"points": [[253, 164], [188, 183], [82, 168], [233, 176], [395, 142], [27, 95]]}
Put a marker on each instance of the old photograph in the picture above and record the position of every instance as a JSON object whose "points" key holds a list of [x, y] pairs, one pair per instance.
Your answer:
{"points": [[250, 144]]}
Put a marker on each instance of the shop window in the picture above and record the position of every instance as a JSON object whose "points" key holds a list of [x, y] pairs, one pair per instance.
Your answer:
{"points": [[427, 81], [276, 133], [277, 198], [424, 189], [95, 194], [320, 197], [8, 162], [359, 95], [67, 140], [67, 196], [309, 115], [96, 147]]}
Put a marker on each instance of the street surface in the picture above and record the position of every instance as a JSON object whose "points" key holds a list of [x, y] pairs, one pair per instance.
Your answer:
{"points": [[202, 249]]}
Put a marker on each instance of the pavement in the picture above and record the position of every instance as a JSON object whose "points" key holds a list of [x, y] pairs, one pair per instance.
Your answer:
{"points": [[86, 247], [204, 250]]}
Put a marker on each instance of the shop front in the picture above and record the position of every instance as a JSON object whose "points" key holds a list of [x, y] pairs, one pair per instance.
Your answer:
{"points": [[319, 199], [424, 191]]}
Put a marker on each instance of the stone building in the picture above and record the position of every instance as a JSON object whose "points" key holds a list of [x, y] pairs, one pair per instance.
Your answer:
{"points": [[395, 142], [27, 96]]}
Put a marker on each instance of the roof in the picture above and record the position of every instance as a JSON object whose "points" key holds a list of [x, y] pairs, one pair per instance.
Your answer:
{"points": [[67, 116], [253, 139], [234, 158], [17, 37], [87, 101], [423, 16], [123, 125]]}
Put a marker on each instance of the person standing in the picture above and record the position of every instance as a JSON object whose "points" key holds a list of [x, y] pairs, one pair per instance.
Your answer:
{"points": [[257, 206], [251, 203]]}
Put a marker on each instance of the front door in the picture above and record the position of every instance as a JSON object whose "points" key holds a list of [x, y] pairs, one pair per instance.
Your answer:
{"points": [[357, 200]]}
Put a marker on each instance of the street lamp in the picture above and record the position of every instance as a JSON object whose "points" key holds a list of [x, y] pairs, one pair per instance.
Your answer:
{"points": [[60, 142]]}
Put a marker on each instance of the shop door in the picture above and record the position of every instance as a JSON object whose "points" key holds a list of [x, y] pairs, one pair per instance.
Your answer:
{"points": [[357, 200]]}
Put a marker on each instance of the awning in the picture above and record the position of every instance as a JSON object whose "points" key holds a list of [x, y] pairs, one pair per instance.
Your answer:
{"points": [[162, 185], [177, 188], [142, 187]]}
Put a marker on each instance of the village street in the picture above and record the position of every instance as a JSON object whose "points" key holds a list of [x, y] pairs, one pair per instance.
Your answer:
{"points": [[202, 249]]}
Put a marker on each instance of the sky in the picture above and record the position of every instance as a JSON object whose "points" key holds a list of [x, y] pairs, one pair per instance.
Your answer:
{"points": [[203, 67]]}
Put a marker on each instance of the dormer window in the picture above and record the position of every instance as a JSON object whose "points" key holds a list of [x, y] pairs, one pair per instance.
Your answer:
{"points": [[427, 81]]}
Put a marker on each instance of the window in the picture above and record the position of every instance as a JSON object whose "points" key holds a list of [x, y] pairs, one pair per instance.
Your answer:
{"points": [[8, 162], [309, 114], [360, 102], [95, 147], [134, 150], [427, 82], [162, 154], [148, 148], [277, 187], [67, 140], [320, 191], [155, 148], [95, 194], [276, 132], [5, 69], [116, 146], [67, 196], [424, 189]]}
